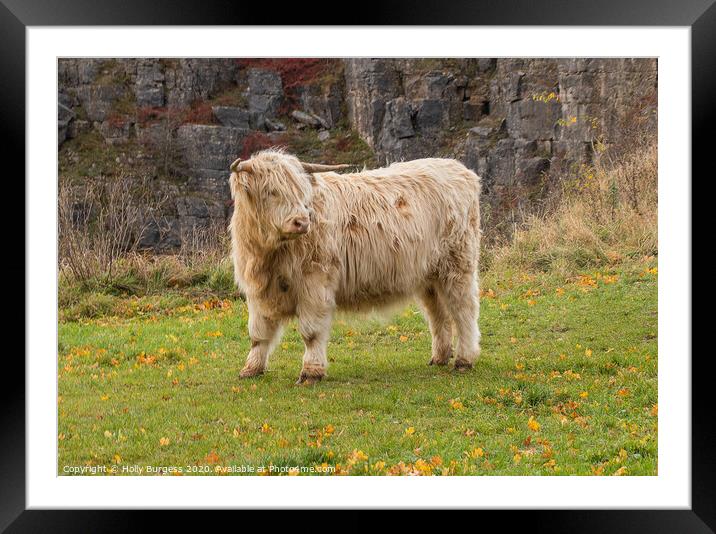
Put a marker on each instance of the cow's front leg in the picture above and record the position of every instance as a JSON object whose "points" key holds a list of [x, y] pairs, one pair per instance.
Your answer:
{"points": [[314, 324], [265, 333]]}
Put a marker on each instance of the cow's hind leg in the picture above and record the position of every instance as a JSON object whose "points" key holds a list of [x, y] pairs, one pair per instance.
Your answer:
{"points": [[265, 334], [463, 303], [440, 326]]}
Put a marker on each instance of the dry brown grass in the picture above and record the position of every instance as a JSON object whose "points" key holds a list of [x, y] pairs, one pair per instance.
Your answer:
{"points": [[605, 213], [202, 267], [103, 222], [101, 225]]}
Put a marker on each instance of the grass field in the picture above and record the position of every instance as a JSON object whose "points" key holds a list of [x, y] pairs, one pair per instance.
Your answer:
{"points": [[566, 385]]}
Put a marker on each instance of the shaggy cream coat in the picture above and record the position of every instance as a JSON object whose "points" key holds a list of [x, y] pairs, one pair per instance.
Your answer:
{"points": [[375, 237]]}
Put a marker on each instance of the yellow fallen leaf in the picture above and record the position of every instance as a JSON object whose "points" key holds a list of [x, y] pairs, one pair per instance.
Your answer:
{"points": [[622, 455], [455, 404], [477, 453], [357, 456], [571, 375], [533, 425], [163, 442], [620, 472]]}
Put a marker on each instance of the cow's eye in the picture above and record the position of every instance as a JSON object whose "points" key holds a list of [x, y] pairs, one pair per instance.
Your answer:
{"points": [[272, 193]]}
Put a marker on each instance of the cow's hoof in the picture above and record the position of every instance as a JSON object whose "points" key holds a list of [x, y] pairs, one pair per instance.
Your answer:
{"points": [[462, 366], [308, 378], [435, 361], [248, 372]]}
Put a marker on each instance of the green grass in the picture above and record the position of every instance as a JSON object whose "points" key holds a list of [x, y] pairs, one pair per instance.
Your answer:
{"points": [[566, 385]]}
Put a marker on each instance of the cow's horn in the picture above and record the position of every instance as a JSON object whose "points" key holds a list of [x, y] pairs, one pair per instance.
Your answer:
{"points": [[317, 167], [241, 166]]}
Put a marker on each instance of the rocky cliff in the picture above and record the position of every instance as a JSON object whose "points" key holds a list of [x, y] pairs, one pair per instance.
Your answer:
{"points": [[517, 122]]}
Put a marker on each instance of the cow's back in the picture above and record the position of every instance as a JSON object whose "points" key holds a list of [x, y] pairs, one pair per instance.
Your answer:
{"points": [[392, 228]]}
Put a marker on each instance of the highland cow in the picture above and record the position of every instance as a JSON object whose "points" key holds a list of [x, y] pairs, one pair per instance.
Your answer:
{"points": [[307, 241]]}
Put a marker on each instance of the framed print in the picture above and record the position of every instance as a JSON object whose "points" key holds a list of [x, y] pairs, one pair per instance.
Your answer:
{"points": [[418, 264]]}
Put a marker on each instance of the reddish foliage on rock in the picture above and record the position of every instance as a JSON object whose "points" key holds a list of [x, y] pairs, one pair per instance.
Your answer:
{"points": [[254, 142], [294, 72], [198, 113], [116, 120]]}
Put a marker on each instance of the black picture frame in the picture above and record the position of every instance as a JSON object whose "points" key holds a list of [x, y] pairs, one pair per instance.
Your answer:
{"points": [[699, 15]]}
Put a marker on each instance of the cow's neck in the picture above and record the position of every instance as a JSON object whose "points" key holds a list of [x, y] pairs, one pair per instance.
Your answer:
{"points": [[263, 262]]}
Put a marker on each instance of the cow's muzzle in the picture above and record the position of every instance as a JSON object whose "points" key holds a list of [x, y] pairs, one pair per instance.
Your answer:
{"points": [[296, 226]]}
